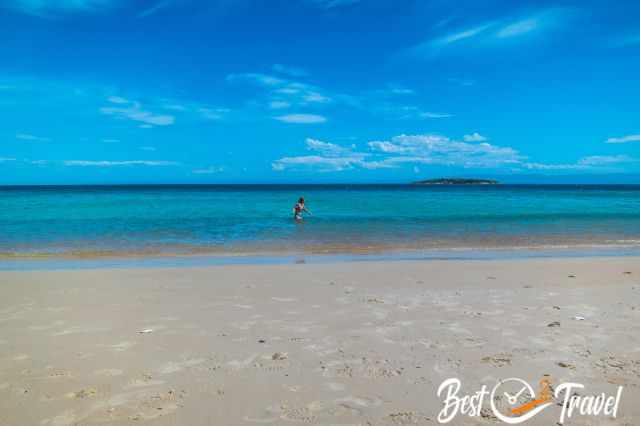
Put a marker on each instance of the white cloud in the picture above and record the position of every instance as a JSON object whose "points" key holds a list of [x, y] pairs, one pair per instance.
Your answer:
{"points": [[401, 91], [461, 81], [118, 100], [518, 28], [51, 8], [593, 162], [435, 115], [409, 112], [281, 92], [279, 104], [387, 147], [287, 91], [31, 138], [212, 114], [331, 4], [398, 90], [488, 34], [436, 149], [39, 162], [474, 137], [208, 170], [542, 166], [624, 139], [162, 4], [174, 107], [190, 110], [110, 140], [316, 97], [105, 163], [258, 78], [327, 148], [433, 149], [603, 160], [401, 150], [6, 159], [132, 110], [331, 157], [461, 35], [290, 71], [317, 162], [301, 118]]}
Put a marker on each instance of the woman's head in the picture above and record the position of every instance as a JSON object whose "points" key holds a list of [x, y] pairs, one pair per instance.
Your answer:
{"points": [[301, 200]]}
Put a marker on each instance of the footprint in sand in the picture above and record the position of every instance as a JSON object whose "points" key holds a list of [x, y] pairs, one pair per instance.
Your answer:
{"points": [[337, 369], [345, 409], [471, 342], [80, 330], [261, 421], [242, 364], [359, 401], [108, 372], [273, 363], [407, 418], [299, 414], [240, 306], [456, 329], [284, 299], [159, 405], [380, 369], [68, 417], [380, 314], [353, 405], [21, 357], [45, 327], [57, 373], [144, 380], [336, 387], [246, 325], [499, 360], [270, 368], [83, 393], [176, 366], [343, 300], [122, 346]]}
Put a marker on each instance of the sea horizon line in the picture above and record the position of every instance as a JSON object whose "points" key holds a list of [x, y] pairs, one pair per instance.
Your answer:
{"points": [[316, 184]]}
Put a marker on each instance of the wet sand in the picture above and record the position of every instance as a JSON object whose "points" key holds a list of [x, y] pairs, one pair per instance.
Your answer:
{"points": [[359, 343]]}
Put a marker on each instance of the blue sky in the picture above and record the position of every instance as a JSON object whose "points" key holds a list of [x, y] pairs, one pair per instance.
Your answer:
{"points": [[186, 91]]}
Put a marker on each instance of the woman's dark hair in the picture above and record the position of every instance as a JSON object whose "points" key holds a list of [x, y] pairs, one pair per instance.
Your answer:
{"points": [[301, 200]]}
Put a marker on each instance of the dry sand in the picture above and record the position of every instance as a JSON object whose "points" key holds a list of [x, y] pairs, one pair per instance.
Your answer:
{"points": [[334, 344]]}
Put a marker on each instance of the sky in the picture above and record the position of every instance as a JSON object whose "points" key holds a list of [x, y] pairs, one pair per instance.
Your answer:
{"points": [[318, 91]]}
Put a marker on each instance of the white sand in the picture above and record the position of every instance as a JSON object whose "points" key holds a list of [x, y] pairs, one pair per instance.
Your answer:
{"points": [[336, 344]]}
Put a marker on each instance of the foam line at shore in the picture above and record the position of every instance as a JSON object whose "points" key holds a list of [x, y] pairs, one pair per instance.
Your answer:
{"points": [[283, 259]]}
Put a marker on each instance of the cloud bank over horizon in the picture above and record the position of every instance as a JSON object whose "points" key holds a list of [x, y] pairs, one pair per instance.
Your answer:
{"points": [[248, 91]]}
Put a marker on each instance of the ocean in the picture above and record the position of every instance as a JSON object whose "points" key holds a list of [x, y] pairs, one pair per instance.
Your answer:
{"points": [[167, 220]]}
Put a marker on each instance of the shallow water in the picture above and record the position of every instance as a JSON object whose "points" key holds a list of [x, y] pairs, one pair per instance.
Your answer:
{"points": [[151, 220]]}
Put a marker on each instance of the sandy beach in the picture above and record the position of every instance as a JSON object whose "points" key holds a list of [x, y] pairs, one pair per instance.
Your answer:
{"points": [[356, 343]]}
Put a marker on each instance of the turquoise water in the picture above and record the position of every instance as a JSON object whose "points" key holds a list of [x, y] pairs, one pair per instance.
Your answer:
{"points": [[150, 220]]}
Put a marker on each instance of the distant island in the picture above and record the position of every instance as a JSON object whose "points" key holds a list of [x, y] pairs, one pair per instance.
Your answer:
{"points": [[456, 181]]}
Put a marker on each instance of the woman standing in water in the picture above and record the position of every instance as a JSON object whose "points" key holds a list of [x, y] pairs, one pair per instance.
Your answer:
{"points": [[299, 208]]}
